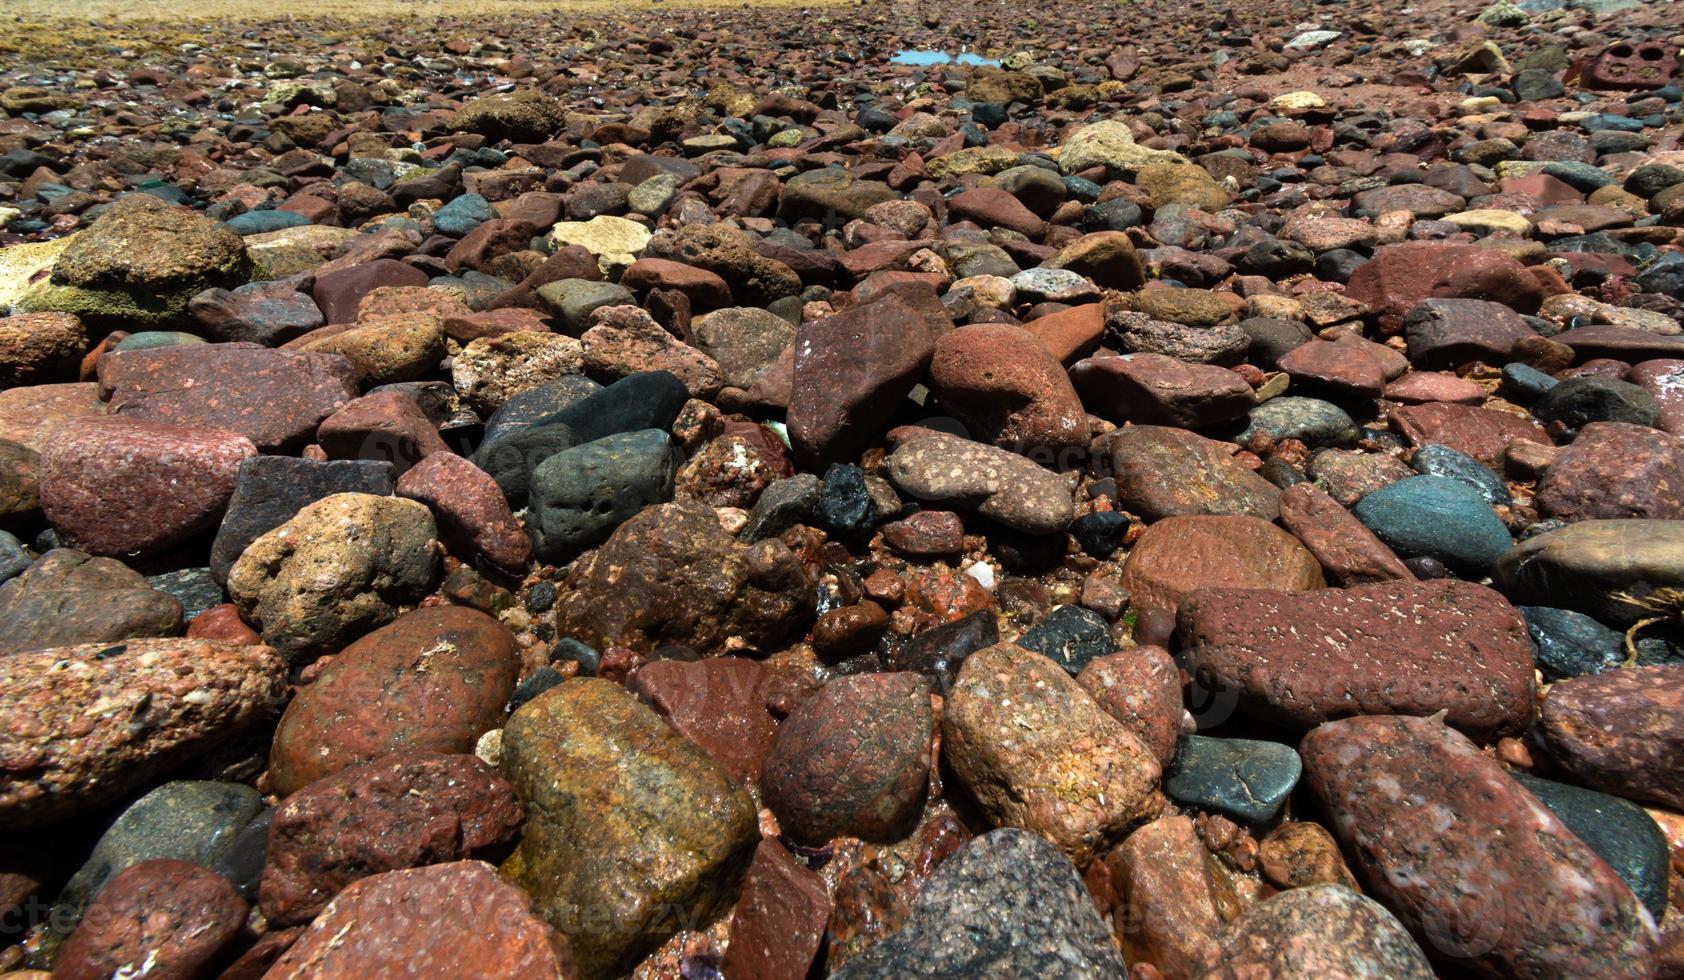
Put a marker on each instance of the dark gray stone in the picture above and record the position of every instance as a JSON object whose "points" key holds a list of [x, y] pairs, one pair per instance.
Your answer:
{"points": [[1577, 402], [527, 407], [1241, 778], [782, 505], [1617, 830], [580, 495], [1570, 644], [67, 597], [1070, 636], [1435, 459], [195, 588]]}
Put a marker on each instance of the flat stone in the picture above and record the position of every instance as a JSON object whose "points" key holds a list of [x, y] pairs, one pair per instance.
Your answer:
{"points": [[1616, 470], [1436, 517], [1167, 897], [1479, 432], [1177, 555], [1164, 472], [67, 597], [779, 921], [1241, 778], [851, 370], [1349, 553], [722, 704], [1607, 569], [1008, 389], [1069, 636], [1617, 731], [634, 832], [1298, 659], [1448, 863], [1446, 333], [998, 484], [1153, 389], [433, 680]]}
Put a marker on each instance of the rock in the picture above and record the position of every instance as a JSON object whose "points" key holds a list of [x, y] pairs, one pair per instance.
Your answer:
{"points": [[433, 680], [1164, 472], [385, 348], [853, 760], [1007, 904], [67, 597], [743, 341], [1134, 332], [1167, 913], [830, 194], [1106, 257], [405, 810], [1436, 517], [122, 487], [1167, 183], [1410, 648], [1069, 636], [338, 568], [1109, 144], [1309, 420], [671, 574], [1617, 731], [491, 370], [37, 348], [1578, 402], [98, 719], [1008, 488], [1446, 333], [1177, 555], [172, 918], [270, 490], [615, 242], [1141, 688], [1571, 644], [625, 341], [1006, 388], [185, 820], [1446, 863], [142, 245], [1338, 370], [521, 116], [1442, 461], [1036, 752], [940, 651], [634, 832], [1616, 470], [473, 517], [779, 921], [275, 398], [1242, 778], [1348, 552], [580, 495], [459, 918], [1400, 276], [1324, 930], [1621, 833], [1298, 855], [1608, 569], [1479, 432], [851, 369], [1152, 389], [721, 704]]}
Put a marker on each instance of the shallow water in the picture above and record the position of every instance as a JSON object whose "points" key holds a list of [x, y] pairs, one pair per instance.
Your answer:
{"points": [[922, 59]]}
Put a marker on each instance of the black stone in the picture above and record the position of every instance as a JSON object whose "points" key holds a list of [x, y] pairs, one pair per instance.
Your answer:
{"points": [[646, 400], [845, 505], [1071, 637], [1577, 402], [1567, 644], [1434, 459], [580, 495], [939, 652], [567, 648], [195, 588], [782, 505], [242, 864], [511, 460], [1101, 532], [1241, 778], [537, 683], [527, 407]]}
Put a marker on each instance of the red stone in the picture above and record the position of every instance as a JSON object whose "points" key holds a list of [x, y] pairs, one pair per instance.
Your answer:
{"points": [[157, 918], [385, 425], [473, 514], [1400, 276], [779, 920], [1619, 731], [1153, 389], [721, 704], [1480, 432]]}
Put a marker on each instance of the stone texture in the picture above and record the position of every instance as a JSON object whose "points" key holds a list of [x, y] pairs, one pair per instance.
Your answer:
{"points": [[1152, 389], [1298, 659], [1608, 569], [1177, 555], [1324, 930], [1017, 492], [634, 832], [1480, 432], [1167, 912], [1348, 552], [67, 597], [82, 725], [1401, 276], [473, 516], [779, 921], [1618, 731], [722, 704], [1442, 834], [435, 680], [270, 490], [851, 369], [1616, 470], [1037, 753], [164, 918], [1141, 688], [1007, 388], [1165, 472]]}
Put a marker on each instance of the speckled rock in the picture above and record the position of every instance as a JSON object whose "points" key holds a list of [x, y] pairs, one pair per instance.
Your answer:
{"points": [[1177, 555], [673, 575], [37, 348], [1007, 388], [722, 704], [1037, 753], [1318, 931], [1141, 688], [270, 490], [779, 921], [1619, 731], [1165, 472], [850, 371], [340, 567], [853, 760], [435, 679], [405, 810], [634, 832], [1620, 831], [491, 370], [1009, 488], [473, 516], [1616, 470], [85, 724], [1007, 904], [1448, 864], [164, 918], [456, 919], [1411, 648]]}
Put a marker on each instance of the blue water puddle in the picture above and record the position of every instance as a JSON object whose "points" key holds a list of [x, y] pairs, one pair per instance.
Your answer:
{"points": [[924, 59]]}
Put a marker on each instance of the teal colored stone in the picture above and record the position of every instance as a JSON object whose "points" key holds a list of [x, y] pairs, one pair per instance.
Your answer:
{"points": [[1436, 517], [463, 215], [1238, 777], [148, 339], [259, 222]]}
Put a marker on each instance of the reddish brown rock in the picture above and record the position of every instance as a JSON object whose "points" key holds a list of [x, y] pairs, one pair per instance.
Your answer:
{"points": [[991, 207], [1106, 257], [1179, 554], [1337, 369], [720, 704], [1616, 470], [1071, 334], [36, 348], [1620, 731], [32, 416], [385, 425], [1168, 914], [405, 810], [449, 920], [123, 487], [1348, 552], [1446, 333], [1153, 389], [1006, 388], [1299, 853], [851, 370], [1400, 276], [926, 534], [1419, 387], [436, 679], [1320, 931], [849, 630], [1411, 648], [853, 760], [465, 328], [1038, 754], [81, 726], [779, 919], [339, 291], [156, 918], [473, 514], [625, 340], [1163, 472], [1142, 689], [275, 398], [1665, 380], [705, 289], [1480, 432], [67, 597], [1468, 858], [222, 622]]}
